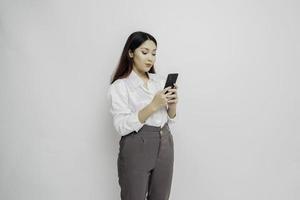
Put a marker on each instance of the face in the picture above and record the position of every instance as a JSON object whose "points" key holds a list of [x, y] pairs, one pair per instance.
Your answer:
{"points": [[144, 56]]}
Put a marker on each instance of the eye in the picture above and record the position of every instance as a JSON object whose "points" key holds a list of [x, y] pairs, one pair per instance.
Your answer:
{"points": [[147, 52]]}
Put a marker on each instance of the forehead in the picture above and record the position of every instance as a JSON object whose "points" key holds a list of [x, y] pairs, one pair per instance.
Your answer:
{"points": [[148, 45]]}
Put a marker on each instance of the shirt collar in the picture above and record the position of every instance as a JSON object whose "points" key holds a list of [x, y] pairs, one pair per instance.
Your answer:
{"points": [[136, 81]]}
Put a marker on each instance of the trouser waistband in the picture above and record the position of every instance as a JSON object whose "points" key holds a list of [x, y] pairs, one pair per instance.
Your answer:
{"points": [[149, 128]]}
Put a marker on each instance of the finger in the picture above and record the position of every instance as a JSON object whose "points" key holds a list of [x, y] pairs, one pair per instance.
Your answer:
{"points": [[171, 94], [172, 97], [172, 90], [172, 101], [166, 89]]}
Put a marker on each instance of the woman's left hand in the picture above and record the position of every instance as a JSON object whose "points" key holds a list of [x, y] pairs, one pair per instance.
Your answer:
{"points": [[172, 98]]}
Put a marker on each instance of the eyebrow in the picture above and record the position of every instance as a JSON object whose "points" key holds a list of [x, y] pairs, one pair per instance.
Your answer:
{"points": [[147, 48]]}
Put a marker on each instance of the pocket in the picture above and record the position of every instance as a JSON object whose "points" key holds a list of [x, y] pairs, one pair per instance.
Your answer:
{"points": [[132, 146], [168, 129], [139, 142], [141, 138], [171, 140]]}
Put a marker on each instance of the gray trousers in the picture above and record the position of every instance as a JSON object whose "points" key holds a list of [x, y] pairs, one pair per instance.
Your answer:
{"points": [[145, 164]]}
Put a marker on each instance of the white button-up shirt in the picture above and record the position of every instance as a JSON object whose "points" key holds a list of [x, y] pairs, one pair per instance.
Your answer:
{"points": [[127, 96]]}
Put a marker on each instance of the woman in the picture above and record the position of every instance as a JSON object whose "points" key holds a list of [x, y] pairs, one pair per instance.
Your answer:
{"points": [[141, 110]]}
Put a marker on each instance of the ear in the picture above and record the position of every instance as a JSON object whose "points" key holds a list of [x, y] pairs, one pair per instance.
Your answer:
{"points": [[130, 53]]}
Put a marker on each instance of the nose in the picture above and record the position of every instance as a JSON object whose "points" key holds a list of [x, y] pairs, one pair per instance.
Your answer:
{"points": [[151, 58]]}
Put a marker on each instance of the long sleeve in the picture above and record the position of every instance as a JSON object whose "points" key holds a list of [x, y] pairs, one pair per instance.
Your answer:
{"points": [[125, 121], [171, 120]]}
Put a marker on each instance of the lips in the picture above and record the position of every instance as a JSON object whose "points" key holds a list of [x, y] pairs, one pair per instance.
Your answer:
{"points": [[148, 64]]}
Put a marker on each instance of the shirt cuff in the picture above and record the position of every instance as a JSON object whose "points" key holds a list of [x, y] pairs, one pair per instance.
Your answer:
{"points": [[137, 125], [171, 120]]}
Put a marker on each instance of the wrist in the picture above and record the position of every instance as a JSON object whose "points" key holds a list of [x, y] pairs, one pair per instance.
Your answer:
{"points": [[172, 106]]}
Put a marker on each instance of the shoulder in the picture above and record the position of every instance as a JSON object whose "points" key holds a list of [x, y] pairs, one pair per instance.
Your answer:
{"points": [[117, 83], [117, 87]]}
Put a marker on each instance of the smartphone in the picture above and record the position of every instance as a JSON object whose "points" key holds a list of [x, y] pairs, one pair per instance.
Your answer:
{"points": [[171, 79]]}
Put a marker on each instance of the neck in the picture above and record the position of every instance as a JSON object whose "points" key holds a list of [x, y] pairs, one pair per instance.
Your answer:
{"points": [[140, 74]]}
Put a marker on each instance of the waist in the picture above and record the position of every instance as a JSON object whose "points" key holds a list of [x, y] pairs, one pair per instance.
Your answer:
{"points": [[150, 128], [150, 131]]}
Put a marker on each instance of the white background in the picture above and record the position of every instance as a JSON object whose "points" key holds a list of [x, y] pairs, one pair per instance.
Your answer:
{"points": [[237, 130]]}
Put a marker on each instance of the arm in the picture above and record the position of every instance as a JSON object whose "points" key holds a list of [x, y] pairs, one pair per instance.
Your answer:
{"points": [[172, 102], [172, 111], [146, 112], [125, 121]]}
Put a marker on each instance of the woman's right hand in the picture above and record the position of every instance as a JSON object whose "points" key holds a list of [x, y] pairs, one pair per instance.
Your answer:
{"points": [[160, 99]]}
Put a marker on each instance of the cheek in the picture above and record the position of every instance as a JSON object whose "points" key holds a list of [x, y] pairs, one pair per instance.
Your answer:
{"points": [[136, 59], [140, 57]]}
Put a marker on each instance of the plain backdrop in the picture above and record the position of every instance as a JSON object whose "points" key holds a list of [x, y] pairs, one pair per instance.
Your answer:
{"points": [[238, 119]]}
